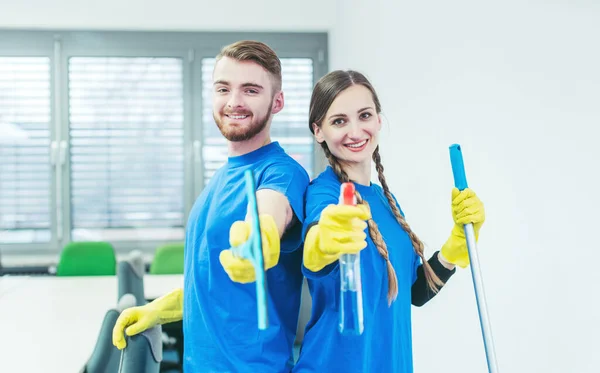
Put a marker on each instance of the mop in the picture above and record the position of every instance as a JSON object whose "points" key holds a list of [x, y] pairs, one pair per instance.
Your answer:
{"points": [[460, 182]]}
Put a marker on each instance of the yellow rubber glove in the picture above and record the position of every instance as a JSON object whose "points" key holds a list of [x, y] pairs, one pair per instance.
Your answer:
{"points": [[466, 208], [241, 270], [134, 320], [341, 230]]}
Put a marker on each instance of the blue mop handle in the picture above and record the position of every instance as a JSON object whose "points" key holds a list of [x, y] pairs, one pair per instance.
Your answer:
{"points": [[460, 182], [256, 253], [458, 167]]}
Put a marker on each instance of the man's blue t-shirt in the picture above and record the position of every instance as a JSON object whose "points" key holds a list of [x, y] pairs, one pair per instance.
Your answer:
{"points": [[219, 316], [386, 342]]}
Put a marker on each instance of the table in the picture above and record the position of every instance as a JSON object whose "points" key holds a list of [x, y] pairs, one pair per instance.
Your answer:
{"points": [[50, 324], [8, 283]]}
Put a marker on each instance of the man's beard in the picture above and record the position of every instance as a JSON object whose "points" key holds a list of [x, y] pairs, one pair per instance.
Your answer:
{"points": [[243, 133]]}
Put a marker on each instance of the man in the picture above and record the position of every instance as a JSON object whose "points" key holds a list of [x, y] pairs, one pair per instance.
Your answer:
{"points": [[218, 301]]}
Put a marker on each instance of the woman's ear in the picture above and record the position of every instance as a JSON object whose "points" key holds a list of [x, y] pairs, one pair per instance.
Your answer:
{"points": [[318, 133], [378, 122]]}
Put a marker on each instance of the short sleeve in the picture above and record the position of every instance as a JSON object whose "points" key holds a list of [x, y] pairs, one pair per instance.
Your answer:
{"points": [[319, 196], [291, 180], [416, 263]]}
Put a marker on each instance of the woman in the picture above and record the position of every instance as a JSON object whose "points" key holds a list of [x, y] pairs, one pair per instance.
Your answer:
{"points": [[345, 119]]}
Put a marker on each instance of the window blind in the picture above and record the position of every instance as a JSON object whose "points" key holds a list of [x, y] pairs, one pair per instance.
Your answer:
{"points": [[25, 177], [126, 148]]}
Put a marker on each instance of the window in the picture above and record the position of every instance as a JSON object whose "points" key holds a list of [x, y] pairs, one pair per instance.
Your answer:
{"points": [[109, 136], [289, 127], [126, 132], [25, 177]]}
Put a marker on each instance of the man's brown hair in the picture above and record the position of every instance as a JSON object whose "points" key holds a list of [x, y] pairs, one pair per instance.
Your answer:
{"points": [[255, 51]]}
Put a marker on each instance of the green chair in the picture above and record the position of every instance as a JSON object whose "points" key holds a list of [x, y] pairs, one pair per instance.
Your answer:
{"points": [[168, 260], [87, 259]]}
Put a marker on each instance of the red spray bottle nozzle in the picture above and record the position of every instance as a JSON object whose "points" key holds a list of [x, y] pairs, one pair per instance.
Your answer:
{"points": [[347, 196]]}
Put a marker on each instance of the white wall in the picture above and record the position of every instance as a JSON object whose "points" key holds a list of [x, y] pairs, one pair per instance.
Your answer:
{"points": [[179, 15], [517, 84]]}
